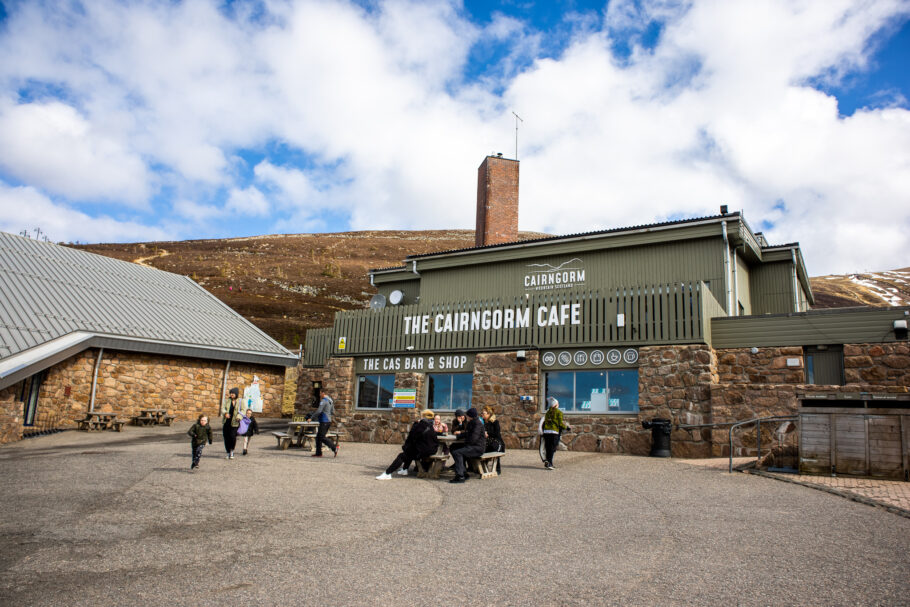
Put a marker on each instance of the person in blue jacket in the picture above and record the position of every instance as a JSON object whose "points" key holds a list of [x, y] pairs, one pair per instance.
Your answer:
{"points": [[323, 415]]}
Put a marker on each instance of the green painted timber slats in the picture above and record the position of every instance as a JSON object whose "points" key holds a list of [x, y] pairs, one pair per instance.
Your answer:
{"points": [[318, 347], [624, 315]]}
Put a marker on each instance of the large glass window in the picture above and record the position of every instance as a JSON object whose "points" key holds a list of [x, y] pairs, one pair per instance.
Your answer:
{"points": [[594, 391], [449, 391], [375, 391]]}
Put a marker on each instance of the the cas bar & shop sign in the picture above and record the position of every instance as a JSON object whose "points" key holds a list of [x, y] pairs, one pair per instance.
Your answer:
{"points": [[419, 363]]}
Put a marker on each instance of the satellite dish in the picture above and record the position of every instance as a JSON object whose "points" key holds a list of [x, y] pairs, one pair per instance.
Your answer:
{"points": [[377, 302], [395, 297]]}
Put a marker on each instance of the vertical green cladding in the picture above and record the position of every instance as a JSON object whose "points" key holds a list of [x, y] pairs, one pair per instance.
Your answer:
{"points": [[660, 263], [318, 347], [633, 315], [771, 285]]}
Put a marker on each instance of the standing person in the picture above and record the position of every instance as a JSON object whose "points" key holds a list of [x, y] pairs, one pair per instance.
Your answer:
{"points": [[230, 421], [420, 443], [474, 444], [495, 444], [323, 415], [199, 433], [552, 425], [247, 428]]}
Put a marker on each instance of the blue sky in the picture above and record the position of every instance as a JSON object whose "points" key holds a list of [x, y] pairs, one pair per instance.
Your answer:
{"points": [[139, 120]]}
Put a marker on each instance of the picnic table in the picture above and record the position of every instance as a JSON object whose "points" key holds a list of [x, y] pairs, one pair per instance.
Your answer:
{"points": [[484, 466], [297, 434], [437, 460], [153, 417], [100, 420]]}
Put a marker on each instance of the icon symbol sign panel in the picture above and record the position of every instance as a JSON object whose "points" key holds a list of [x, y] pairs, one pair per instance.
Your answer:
{"points": [[565, 358], [630, 356], [613, 357], [597, 357], [548, 359], [580, 357]]}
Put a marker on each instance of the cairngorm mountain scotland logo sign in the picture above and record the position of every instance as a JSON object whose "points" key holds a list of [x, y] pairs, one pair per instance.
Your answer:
{"points": [[544, 276]]}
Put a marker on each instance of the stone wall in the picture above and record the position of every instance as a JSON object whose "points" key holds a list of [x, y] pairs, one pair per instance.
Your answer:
{"points": [[877, 364], [10, 414], [499, 380], [674, 383], [128, 382], [688, 384], [767, 366]]}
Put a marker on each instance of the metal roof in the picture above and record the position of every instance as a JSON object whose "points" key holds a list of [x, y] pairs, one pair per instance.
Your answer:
{"points": [[612, 231], [48, 291]]}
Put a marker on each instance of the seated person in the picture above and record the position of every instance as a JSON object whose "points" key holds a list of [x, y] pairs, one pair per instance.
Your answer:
{"points": [[474, 445], [458, 427], [420, 443], [494, 434], [439, 427]]}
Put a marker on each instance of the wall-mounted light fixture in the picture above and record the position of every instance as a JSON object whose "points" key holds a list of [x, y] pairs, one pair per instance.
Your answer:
{"points": [[409, 348], [521, 355], [900, 329]]}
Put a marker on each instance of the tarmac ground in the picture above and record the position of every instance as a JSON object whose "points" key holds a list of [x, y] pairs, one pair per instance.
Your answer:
{"points": [[118, 519]]}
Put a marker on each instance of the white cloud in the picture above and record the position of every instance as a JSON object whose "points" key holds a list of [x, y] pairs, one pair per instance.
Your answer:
{"points": [[247, 201], [25, 208], [52, 146], [368, 114]]}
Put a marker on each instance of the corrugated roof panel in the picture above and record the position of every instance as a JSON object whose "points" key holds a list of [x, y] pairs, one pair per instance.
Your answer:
{"points": [[50, 290]]}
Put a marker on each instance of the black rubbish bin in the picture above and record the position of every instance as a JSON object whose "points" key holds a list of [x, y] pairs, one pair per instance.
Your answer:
{"points": [[660, 436]]}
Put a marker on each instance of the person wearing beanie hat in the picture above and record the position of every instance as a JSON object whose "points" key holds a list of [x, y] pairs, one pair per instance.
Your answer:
{"points": [[474, 445], [551, 426], [420, 443], [230, 421]]}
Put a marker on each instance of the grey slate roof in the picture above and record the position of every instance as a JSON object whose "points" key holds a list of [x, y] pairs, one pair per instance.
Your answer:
{"points": [[49, 291]]}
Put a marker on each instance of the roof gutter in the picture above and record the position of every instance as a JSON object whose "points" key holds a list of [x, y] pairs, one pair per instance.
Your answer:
{"points": [[31, 361]]}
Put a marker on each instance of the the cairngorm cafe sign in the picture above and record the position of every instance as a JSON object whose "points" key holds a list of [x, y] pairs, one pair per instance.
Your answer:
{"points": [[494, 319]]}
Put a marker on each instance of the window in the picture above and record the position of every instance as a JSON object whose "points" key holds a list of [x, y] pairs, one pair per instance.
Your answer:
{"points": [[375, 391], [594, 391], [449, 391], [825, 365], [31, 389]]}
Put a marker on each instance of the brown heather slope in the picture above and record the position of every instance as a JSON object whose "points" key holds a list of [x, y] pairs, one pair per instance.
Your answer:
{"points": [[286, 284]]}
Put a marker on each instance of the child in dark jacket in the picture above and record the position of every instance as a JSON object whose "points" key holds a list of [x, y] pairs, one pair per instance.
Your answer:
{"points": [[199, 433]]}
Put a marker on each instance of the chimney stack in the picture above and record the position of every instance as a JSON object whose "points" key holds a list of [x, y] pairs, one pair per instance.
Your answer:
{"points": [[497, 201]]}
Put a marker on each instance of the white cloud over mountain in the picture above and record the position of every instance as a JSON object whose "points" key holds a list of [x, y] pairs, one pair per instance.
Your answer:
{"points": [[292, 116]]}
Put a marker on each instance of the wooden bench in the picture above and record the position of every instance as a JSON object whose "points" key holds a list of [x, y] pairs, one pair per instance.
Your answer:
{"points": [[284, 439], [167, 419], [117, 424], [485, 465], [437, 465], [142, 420]]}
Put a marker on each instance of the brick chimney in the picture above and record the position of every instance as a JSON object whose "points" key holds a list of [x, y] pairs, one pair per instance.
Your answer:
{"points": [[497, 201]]}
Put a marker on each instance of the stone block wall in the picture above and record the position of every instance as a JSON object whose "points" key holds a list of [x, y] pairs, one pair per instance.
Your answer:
{"points": [[128, 382], [767, 366], [499, 380], [879, 364], [674, 383], [10, 414]]}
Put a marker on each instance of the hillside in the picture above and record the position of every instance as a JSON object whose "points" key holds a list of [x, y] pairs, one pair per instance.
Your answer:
{"points": [[286, 284]]}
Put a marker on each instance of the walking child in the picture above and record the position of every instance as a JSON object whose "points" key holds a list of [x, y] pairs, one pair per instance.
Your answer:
{"points": [[199, 433]]}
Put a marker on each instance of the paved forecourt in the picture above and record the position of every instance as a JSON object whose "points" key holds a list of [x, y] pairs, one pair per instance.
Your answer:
{"points": [[117, 518]]}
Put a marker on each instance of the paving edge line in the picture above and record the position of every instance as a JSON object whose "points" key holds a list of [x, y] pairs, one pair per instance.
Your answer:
{"points": [[845, 494]]}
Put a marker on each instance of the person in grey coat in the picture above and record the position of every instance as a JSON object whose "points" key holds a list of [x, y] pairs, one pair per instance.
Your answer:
{"points": [[323, 415]]}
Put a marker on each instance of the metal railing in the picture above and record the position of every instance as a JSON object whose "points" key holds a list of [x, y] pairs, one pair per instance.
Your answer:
{"points": [[733, 425]]}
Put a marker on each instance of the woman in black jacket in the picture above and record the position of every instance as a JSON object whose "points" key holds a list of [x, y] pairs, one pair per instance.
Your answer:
{"points": [[495, 443]]}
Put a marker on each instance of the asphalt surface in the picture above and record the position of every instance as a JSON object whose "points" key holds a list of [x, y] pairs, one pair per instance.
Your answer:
{"points": [[118, 519]]}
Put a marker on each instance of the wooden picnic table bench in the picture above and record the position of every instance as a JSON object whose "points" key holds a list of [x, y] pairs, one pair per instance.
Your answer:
{"points": [[485, 465], [153, 417], [98, 420]]}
